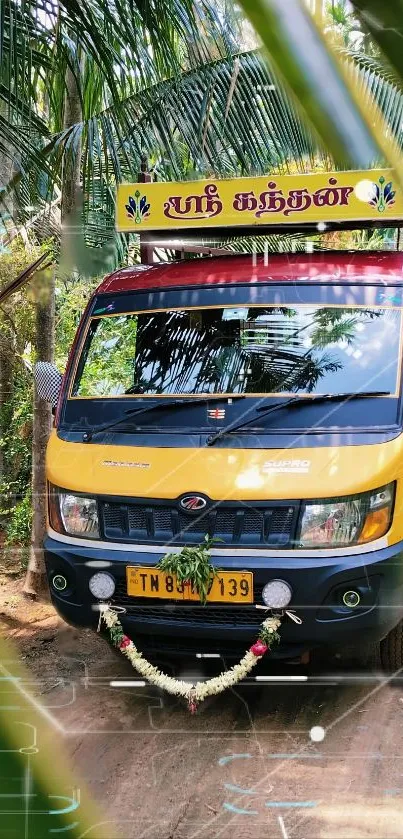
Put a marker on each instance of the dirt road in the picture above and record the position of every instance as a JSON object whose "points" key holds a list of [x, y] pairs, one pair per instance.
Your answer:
{"points": [[246, 766]]}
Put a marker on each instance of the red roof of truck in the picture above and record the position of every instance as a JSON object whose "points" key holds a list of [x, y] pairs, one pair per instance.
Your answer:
{"points": [[330, 266]]}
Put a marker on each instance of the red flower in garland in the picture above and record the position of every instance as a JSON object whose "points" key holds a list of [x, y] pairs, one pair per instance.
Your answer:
{"points": [[124, 642], [258, 648]]}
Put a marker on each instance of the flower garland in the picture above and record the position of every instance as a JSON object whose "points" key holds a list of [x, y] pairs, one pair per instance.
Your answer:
{"points": [[193, 694]]}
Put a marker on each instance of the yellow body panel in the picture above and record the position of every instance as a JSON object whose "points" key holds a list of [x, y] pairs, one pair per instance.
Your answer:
{"points": [[228, 473]]}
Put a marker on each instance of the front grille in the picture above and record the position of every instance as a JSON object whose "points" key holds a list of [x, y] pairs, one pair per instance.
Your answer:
{"points": [[154, 611], [198, 615], [248, 524]]}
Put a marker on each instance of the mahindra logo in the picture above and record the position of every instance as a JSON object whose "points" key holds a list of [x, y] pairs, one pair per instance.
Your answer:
{"points": [[193, 503]]}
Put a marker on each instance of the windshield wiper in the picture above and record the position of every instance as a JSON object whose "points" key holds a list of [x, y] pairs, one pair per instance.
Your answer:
{"points": [[169, 403], [295, 401]]}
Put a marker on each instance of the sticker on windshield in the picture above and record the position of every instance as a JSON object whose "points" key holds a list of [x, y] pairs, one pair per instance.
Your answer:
{"points": [[105, 309], [388, 296], [296, 466], [235, 314]]}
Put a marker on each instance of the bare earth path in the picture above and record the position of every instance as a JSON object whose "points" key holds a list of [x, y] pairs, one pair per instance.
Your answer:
{"points": [[244, 767]]}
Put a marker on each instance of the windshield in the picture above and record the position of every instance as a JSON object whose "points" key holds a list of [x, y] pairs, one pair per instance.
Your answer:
{"points": [[253, 350]]}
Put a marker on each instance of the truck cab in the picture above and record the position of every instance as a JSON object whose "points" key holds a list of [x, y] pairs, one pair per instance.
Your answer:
{"points": [[253, 402]]}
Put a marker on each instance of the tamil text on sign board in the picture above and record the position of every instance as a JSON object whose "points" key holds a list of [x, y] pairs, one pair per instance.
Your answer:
{"points": [[285, 199]]}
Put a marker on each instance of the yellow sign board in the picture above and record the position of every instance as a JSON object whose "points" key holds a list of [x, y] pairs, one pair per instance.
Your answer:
{"points": [[284, 199]]}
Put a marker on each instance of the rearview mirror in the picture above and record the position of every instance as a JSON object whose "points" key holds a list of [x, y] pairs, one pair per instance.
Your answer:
{"points": [[48, 381]]}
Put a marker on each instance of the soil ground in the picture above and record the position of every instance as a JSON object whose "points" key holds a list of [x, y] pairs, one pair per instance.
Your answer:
{"points": [[246, 765]]}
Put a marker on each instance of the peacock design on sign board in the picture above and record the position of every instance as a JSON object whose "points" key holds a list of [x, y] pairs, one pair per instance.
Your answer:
{"points": [[383, 195], [138, 208]]}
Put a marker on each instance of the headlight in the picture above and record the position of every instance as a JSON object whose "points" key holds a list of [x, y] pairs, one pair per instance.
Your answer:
{"points": [[75, 514], [341, 522]]}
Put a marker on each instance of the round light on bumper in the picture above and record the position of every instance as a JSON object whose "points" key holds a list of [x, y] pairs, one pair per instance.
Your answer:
{"points": [[351, 599], [277, 594], [59, 582], [102, 585]]}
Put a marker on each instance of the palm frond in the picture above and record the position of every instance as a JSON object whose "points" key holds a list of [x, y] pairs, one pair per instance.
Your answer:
{"points": [[226, 117], [211, 121], [304, 59], [384, 21]]}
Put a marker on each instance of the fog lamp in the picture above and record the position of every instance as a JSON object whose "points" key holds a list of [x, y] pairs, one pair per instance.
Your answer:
{"points": [[59, 582], [351, 599], [277, 594], [102, 585]]}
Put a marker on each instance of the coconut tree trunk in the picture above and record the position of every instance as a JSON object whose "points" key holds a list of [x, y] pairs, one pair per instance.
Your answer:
{"points": [[42, 421], [35, 582], [72, 161], [7, 343], [7, 350]]}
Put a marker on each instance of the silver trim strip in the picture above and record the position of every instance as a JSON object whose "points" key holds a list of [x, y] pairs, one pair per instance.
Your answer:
{"points": [[376, 545]]}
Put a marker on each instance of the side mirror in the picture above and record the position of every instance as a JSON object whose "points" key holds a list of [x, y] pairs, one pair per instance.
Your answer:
{"points": [[48, 381]]}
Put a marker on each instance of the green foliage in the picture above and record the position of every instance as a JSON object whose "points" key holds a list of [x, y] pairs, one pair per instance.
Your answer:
{"points": [[344, 27], [269, 636], [113, 51], [17, 324], [192, 565], [332, 325], [18, 530], [72, 296], [176, 90], [334, 99], [116, 635], [16, 439], [109, 365], [15, 446], [14, 258], [17, 314], [16, 336]]}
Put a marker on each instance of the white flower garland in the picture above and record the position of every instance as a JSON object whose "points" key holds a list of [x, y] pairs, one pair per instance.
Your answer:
{"points": [[192, 693]]}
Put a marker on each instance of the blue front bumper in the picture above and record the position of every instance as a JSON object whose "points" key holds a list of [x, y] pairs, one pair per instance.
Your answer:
{"points": [[317, 582]]}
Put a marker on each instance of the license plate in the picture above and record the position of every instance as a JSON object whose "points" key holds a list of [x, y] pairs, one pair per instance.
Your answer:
{"points": [[227, 586]]}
